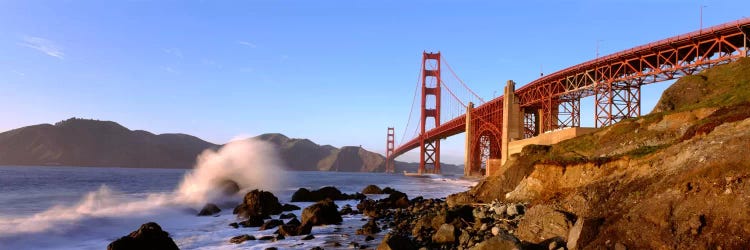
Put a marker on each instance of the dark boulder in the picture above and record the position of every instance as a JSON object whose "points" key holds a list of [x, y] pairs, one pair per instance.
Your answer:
{"points": [[323, 193], [227, 187], [303, 194], [395, 241], [267, 237], [329, 192], [388, 190], [241, 238], [308, 237], [294, 221], [347, 209], [369, 228], [321, 213], [258, 202], [148, 236], [287, 216], [371, 208], [289, 207], [398, 199], [372, 189], [294, 230], [252, 221], [271, 224], [209, 209]]}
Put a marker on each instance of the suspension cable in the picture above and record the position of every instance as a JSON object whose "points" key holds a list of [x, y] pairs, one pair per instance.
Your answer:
{"points": [[414, 100], [459, 79]]}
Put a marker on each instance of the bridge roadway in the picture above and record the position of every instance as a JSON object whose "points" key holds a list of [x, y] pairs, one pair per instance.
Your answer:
{"points": [[654, 62]]}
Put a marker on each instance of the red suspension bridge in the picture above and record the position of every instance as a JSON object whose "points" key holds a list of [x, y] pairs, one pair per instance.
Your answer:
{"points": [[553, 101]]}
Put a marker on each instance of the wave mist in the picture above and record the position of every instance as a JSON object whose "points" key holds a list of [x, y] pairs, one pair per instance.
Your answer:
{"points": [[239, 165]]}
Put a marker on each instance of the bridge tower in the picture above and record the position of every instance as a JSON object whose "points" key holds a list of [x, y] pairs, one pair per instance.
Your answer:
{"points": [[429, 151], [390, 167]]}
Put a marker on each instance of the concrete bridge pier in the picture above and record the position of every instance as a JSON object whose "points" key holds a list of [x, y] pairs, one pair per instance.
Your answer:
{"points": [[512, 126], [468, 162]]}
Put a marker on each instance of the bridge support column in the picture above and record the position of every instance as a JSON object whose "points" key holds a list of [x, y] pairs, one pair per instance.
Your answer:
{"points": [[430, 150], [390, 167], [512, 123], [468, 161], [548, 115], [616, 101]]}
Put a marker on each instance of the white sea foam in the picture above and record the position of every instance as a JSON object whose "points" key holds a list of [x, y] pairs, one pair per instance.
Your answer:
{"points": [[249, 163]]}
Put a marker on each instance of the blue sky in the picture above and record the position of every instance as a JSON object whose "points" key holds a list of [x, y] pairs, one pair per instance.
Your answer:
{"points": [[337, 72]]}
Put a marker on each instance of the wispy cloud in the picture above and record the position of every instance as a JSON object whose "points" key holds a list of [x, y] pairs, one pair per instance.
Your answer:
{"points": [[174, 51], [247, 69], [19, 73], [211, 63], [248, 44], [43, 45], [171, 70]]}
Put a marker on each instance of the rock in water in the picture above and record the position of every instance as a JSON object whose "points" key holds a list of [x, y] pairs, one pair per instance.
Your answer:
{"points": [[228, 187], [372, 189], [209, 209], [289, 207], [302, 194], [369, 228], [252, 221], [148, 236], [294, 221], [258, 202], [294, 230], [321, 213], [241, 238], [271, 224], [287, 216]]}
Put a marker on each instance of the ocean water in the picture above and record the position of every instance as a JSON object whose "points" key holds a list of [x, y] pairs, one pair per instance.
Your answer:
{"points": [[88, 207]]}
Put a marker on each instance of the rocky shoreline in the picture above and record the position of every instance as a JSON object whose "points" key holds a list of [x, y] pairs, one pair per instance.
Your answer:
{"points": [[400, 222]]}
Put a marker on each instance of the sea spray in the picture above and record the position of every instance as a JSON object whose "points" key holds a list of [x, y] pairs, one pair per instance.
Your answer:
{"points": [[248, 163]]}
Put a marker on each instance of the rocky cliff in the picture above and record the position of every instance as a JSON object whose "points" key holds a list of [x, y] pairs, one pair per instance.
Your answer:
{"points": [[677, 178]]}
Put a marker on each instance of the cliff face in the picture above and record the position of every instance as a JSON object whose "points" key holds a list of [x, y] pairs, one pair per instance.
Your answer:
{"points": [[674, 179], [79, 142]]}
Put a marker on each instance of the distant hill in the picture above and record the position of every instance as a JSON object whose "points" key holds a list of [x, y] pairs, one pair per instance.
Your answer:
{"points": [[86, 142], [303, 154], [83, 142]]}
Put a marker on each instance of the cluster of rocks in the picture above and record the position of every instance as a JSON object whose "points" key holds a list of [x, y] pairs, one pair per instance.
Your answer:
{"points": [[331, 193], [258, 205], [431, 224], [412, 224]]}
